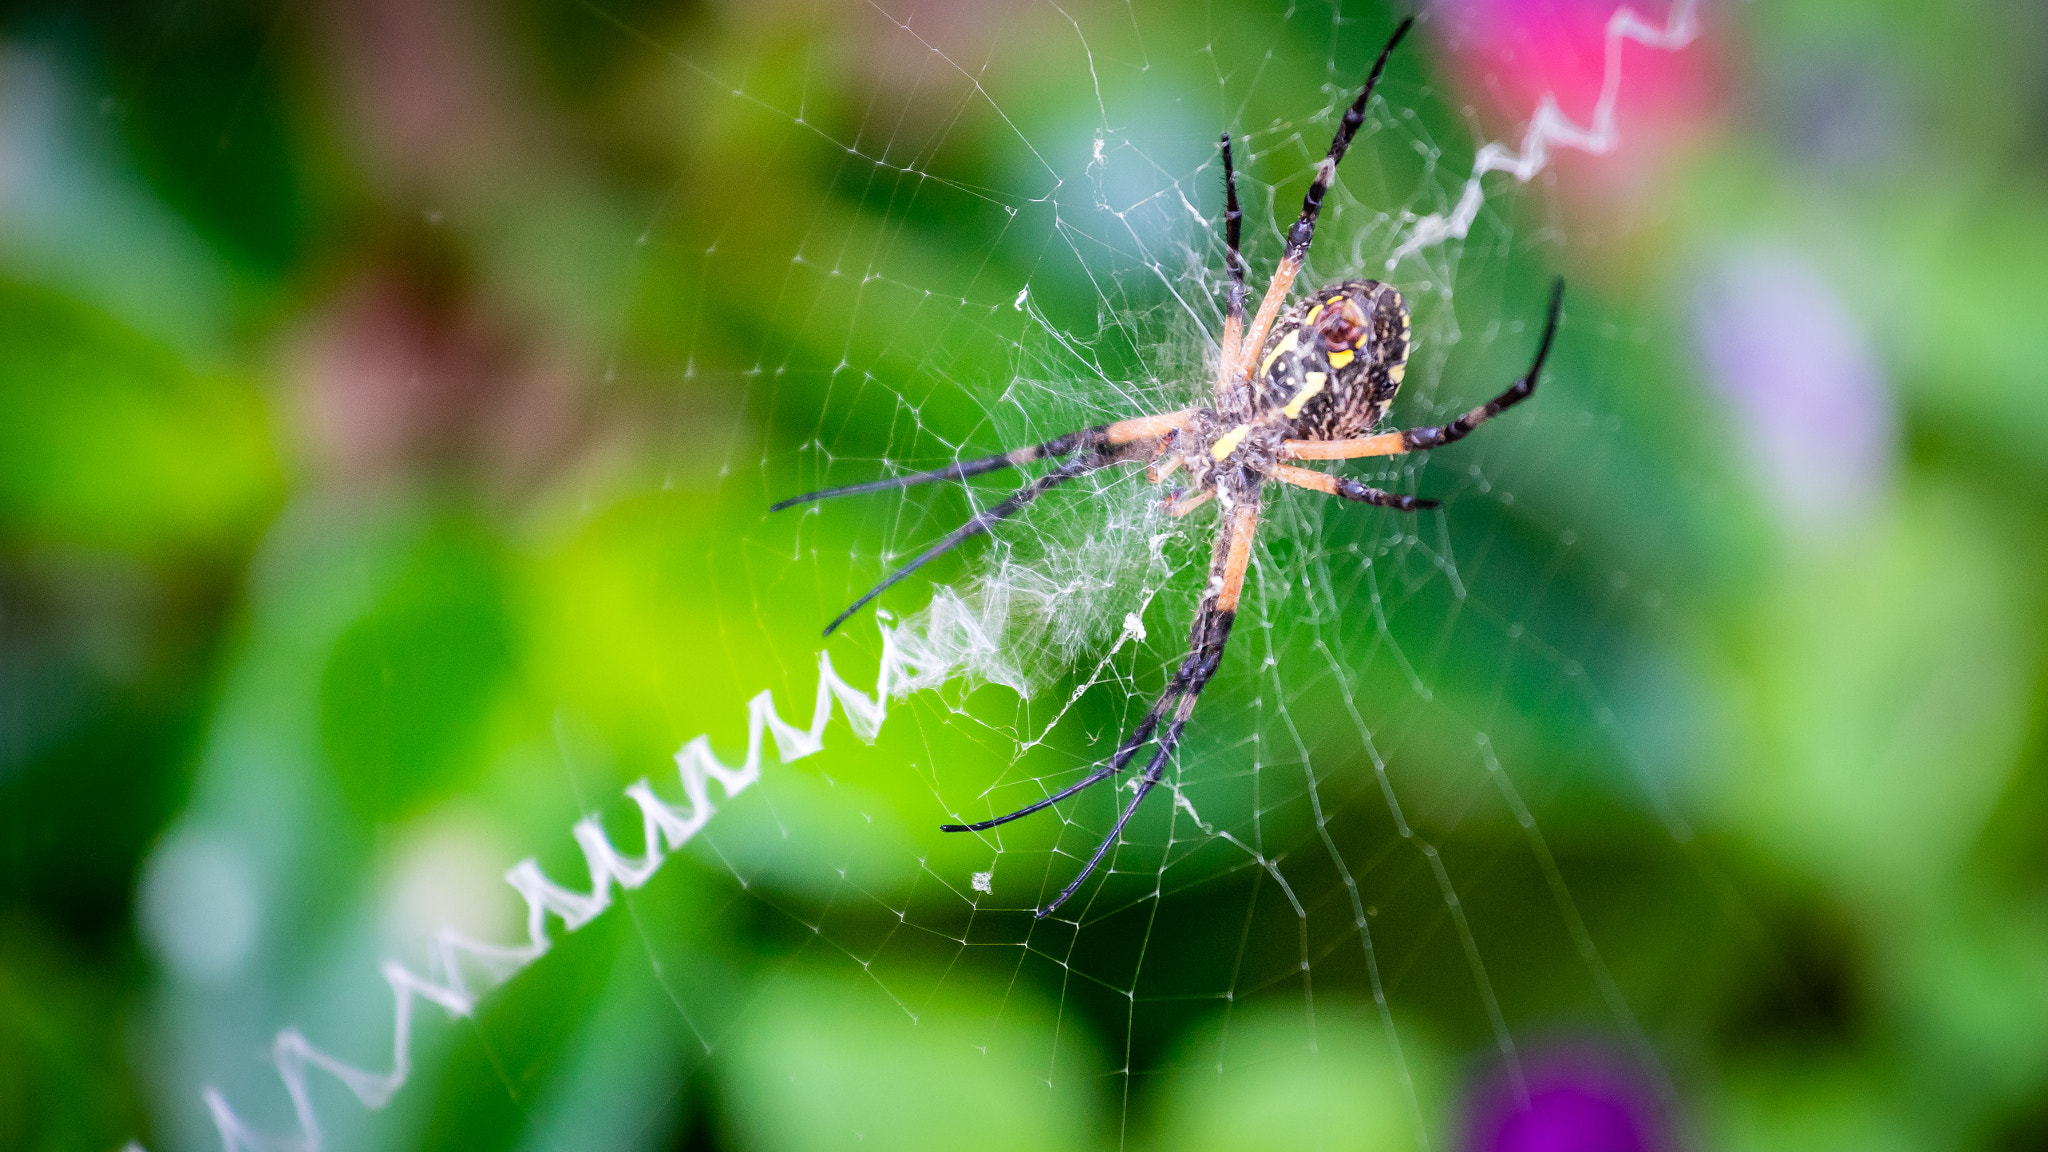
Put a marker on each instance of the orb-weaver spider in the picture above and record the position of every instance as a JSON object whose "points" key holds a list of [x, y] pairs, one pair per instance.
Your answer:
{"points": [[1323, 374]]}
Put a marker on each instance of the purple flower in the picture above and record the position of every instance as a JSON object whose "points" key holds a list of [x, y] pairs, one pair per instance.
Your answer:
{"points": [[1808, 394], [1576, 1099]]}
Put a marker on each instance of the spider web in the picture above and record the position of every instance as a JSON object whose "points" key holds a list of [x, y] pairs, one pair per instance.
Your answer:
{"points": [[1396, 816]]}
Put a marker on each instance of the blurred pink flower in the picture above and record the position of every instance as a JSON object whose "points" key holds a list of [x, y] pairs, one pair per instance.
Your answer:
{"points": [[1547, 63], [1514, 51], [390, 380]]}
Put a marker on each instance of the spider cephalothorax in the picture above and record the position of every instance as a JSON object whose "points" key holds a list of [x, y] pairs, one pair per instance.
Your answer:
{"points": [[1307, 385]]}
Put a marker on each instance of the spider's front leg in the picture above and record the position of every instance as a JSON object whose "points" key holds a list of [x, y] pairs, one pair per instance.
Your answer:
{"points": [[1302, 234]]}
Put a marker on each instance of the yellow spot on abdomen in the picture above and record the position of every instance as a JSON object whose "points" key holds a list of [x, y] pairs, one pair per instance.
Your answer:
{"points": [[1341, 357], [1286, 344], [1311, 386], [1228, 442]]}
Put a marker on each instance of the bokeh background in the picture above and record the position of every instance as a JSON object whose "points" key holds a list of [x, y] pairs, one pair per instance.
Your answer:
{"points": [[390, 392]]}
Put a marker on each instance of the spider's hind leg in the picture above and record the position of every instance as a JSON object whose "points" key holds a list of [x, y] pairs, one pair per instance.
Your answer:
{"points": [[1087, 439], [1088, 449], [1211, 632], [1346, 488], [1058, 446], [1227, 368], [979, 523]]}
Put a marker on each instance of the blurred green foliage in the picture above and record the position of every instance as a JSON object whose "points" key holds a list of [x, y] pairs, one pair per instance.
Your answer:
{"points": [[389, 394]]}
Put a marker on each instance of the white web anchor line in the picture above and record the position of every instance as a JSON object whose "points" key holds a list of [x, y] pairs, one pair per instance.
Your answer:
{"points": [[664, 828], [1551, 126]]}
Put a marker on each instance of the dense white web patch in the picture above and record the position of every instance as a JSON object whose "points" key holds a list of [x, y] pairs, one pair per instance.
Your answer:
{"points": [[1088, 594]]}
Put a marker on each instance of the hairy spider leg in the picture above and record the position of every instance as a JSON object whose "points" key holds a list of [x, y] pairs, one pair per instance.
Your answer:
{"points": [[1121, 432], [979, 523], [1437, 435], [1348, 489], [1138, 738], [1233, 264], [1175, 686], [1303, 233], [1211, 632], [1098, 447]]}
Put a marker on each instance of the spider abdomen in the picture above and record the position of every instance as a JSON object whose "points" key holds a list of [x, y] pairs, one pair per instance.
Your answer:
{"points": [[1335, 360]]}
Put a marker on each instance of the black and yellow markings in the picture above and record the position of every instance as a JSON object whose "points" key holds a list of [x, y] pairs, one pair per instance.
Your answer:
{"points": [[1311, 386], [1342, 357], [1287, 344], [1228, 442]]}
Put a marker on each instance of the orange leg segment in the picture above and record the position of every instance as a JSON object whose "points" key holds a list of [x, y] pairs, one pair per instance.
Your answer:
{"points": [[1243, 523], [1145, 427], [1307, 478], [1345, 488], [1269, 310], [1384, 444]]}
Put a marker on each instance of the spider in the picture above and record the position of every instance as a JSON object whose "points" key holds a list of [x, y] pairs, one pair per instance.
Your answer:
{"points": [[1307, 385]]}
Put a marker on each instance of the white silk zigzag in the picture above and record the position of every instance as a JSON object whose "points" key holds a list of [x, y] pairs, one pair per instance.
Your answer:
{"points": [[1550, 126], [460, 971]]}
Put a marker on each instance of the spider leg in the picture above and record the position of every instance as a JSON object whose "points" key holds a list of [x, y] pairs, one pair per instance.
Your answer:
{"points": [[1384, 444], [1348, 489], [1437, 435], [1233, 263], [981, 522], [1190, 666], [1121, 432], [1129, 748], [1303, 233], [1211, 633]]}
